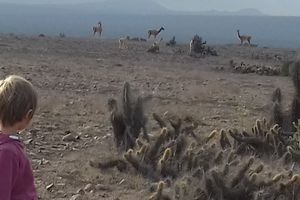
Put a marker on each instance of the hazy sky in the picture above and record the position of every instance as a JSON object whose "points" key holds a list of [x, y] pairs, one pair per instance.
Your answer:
{"points": [[271, 7]]}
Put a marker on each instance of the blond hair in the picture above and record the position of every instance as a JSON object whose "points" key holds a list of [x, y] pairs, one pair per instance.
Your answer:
{"points": [[17, 99]]}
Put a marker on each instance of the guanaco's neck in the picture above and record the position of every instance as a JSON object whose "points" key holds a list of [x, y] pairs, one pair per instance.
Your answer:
{"points": [[239, 34]]}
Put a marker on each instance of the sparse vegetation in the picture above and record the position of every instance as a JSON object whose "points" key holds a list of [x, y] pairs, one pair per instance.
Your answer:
{"points": [[127, 118], [202, 161], [62, 35], [172, 42], [288, 67], [197, 46], [154, 48], [199, 169], [216, 166], [286, 119], [295, 138], [260, 69]]}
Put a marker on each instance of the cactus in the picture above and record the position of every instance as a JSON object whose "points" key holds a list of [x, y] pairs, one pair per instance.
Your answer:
{"points": [[159, 120], [211, 135], [158, 194], [241, 173], [128, 119], [224, 141]]}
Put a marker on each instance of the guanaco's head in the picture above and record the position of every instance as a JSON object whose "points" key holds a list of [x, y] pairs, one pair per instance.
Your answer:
{"points": [[162, 28]]}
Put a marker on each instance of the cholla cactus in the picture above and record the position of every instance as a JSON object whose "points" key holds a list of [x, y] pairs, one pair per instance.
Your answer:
{"points": [[213, 167], [295, 139], [127, 119], [172, 42], [197, 46]]}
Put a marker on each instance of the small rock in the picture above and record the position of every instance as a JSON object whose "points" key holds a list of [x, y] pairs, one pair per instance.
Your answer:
{"points": [[106, 136], [76, 197], [49, 187], [96, 138], [44, 162], [104, 195], [62, 193], [80, 191], [67, 147], [27, 142], [216, 117], [74, 172], [61, 184], [101, 187], [88, 187], [69, 138], [122, 181], [77, 137]]}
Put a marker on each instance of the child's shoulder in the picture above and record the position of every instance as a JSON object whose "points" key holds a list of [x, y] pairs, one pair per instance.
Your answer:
{"points": [[11, 148]]}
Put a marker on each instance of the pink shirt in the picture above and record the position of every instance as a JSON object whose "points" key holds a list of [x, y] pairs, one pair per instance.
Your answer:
{"points": [[16, 177]]}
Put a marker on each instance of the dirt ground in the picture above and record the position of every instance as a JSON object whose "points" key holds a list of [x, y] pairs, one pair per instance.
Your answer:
{"points": [[75, 78]]}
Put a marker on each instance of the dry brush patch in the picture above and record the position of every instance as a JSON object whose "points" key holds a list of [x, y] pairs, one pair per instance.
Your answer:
{"points": [[225, 165], [222, 165], [199, 48], [260, 69], [183, 166]]}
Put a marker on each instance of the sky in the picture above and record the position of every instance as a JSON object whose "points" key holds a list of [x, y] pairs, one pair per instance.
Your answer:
{"points": [[270, 7]]}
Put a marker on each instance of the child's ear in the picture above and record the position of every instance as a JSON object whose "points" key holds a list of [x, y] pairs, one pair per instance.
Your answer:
{"points": [[29, 114]]}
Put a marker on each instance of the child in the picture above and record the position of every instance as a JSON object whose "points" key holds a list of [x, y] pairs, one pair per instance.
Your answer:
{"points": [[18, 101]]}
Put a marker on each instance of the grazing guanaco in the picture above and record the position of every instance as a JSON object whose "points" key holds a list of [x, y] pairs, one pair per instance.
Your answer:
{"points": [[155, 47], [191, 46], [123, 43], [98, 29], [154, 32], [244, 38]]}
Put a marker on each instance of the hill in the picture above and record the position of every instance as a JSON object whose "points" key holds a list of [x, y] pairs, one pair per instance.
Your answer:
{"points": [[111, 7]]}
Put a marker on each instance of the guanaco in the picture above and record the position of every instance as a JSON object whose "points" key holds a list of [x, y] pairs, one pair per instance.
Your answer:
{"points": [[244, 38], [154, 32], [98, 29]]}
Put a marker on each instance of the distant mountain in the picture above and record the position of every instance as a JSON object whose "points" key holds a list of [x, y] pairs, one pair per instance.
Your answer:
{"points": [[144, 7], [242, 12], [112, 7], [249, 12]]}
